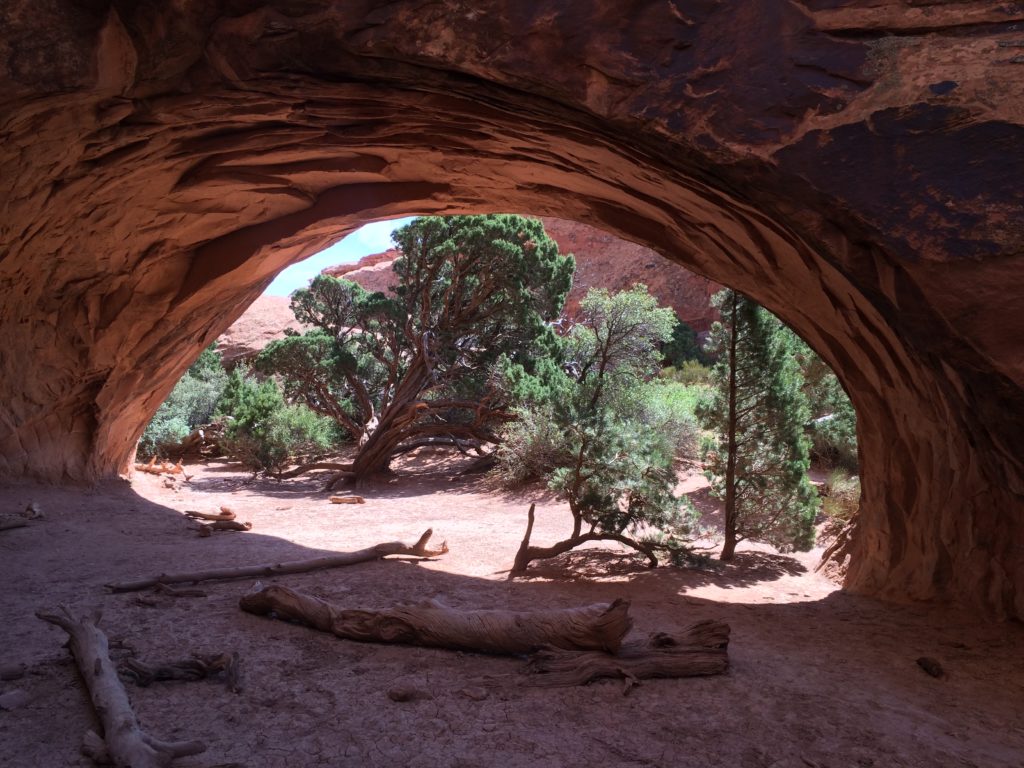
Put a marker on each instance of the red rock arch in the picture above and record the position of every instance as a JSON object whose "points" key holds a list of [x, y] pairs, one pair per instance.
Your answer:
{"points": [[842, 166]]}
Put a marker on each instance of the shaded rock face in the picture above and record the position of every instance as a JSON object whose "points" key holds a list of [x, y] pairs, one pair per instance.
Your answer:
{"points": [[602, 261], [262, 322], [854, 166]]}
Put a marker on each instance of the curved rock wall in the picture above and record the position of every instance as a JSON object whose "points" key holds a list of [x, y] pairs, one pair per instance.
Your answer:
{"points": [[854, 166]]}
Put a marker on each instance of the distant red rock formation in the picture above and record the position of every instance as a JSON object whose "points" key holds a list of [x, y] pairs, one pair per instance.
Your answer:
{"points": [[606, 261], [374, 272]]}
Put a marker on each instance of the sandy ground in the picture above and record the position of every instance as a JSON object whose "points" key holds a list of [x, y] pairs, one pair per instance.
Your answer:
{"points": [[817, 677]]}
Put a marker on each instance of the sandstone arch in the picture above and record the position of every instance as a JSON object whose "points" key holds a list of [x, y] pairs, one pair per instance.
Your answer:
{"points": [[852, 166]]}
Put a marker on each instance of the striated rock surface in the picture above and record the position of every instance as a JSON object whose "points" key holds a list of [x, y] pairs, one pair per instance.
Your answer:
{"points": [[374, 272], [262, 322], [854, 165]]}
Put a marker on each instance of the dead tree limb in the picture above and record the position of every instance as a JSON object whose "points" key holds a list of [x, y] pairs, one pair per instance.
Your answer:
{"points": [[304, 468], [700, 650], [223, 515], [434, 625], [419, 549], [124, 743], [6, 525], [528, 553], [198, 667], [207, 529]]}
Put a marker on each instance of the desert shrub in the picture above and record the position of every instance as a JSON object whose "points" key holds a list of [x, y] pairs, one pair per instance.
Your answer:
{"points": [[689, 372], [840, 496], [531, 447], [263, 432], [668, 410], [191, 403]]}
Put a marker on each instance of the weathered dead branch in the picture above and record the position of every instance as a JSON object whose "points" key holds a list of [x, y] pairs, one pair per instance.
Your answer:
{"points": [[304, 468], [528, 553], [124, 743], [207, 529], [159, 467], [224, 514], [701, 650], [432, 624], [6, 525], [164, 589], [347, 500], [198, 667], [419, 549]]}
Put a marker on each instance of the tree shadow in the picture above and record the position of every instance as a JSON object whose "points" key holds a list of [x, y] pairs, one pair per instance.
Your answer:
{"points": [[601, 565]]}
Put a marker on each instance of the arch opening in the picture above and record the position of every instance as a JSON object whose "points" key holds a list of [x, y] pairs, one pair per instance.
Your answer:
{"points": [[170, 213]]}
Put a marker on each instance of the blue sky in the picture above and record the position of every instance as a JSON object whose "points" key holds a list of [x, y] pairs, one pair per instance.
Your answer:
{"points": [[369, 238]]}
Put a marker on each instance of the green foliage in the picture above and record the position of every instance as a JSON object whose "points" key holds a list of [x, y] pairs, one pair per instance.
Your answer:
{"points": [[682, 347], [669, 410], [471, 290], [690, 373], [833, 426], [603, 434], [757, 411], [265, 433], [191, 403]]}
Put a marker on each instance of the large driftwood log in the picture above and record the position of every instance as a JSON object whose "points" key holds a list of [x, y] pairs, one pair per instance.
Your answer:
{"points": [[124, 743], [701, 650], [419, 549], [600, 627]]}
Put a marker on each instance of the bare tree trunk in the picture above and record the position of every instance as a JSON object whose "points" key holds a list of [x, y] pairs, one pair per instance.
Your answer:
{"points": [[595, 627], [124, 743], [419, 549], [729, 546], [527, 553], [700, 650]]}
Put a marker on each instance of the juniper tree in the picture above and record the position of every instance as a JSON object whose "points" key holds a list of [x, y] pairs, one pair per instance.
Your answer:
{"points": [[417, 366], [590, 423], [758, 412]]}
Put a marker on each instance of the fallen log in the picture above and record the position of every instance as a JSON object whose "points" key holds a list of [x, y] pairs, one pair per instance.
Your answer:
{"points": [[347, 500], [123, 743], [6, 525], [198, 667], [419, 549], [434, 625], [701, 650], [206, 529], [224, 514]]}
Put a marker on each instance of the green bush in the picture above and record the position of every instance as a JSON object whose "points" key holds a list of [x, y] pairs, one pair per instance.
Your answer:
{"points": [[263, 432], [532, 446], [191, 403], [690, 373], [667, 409]]}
